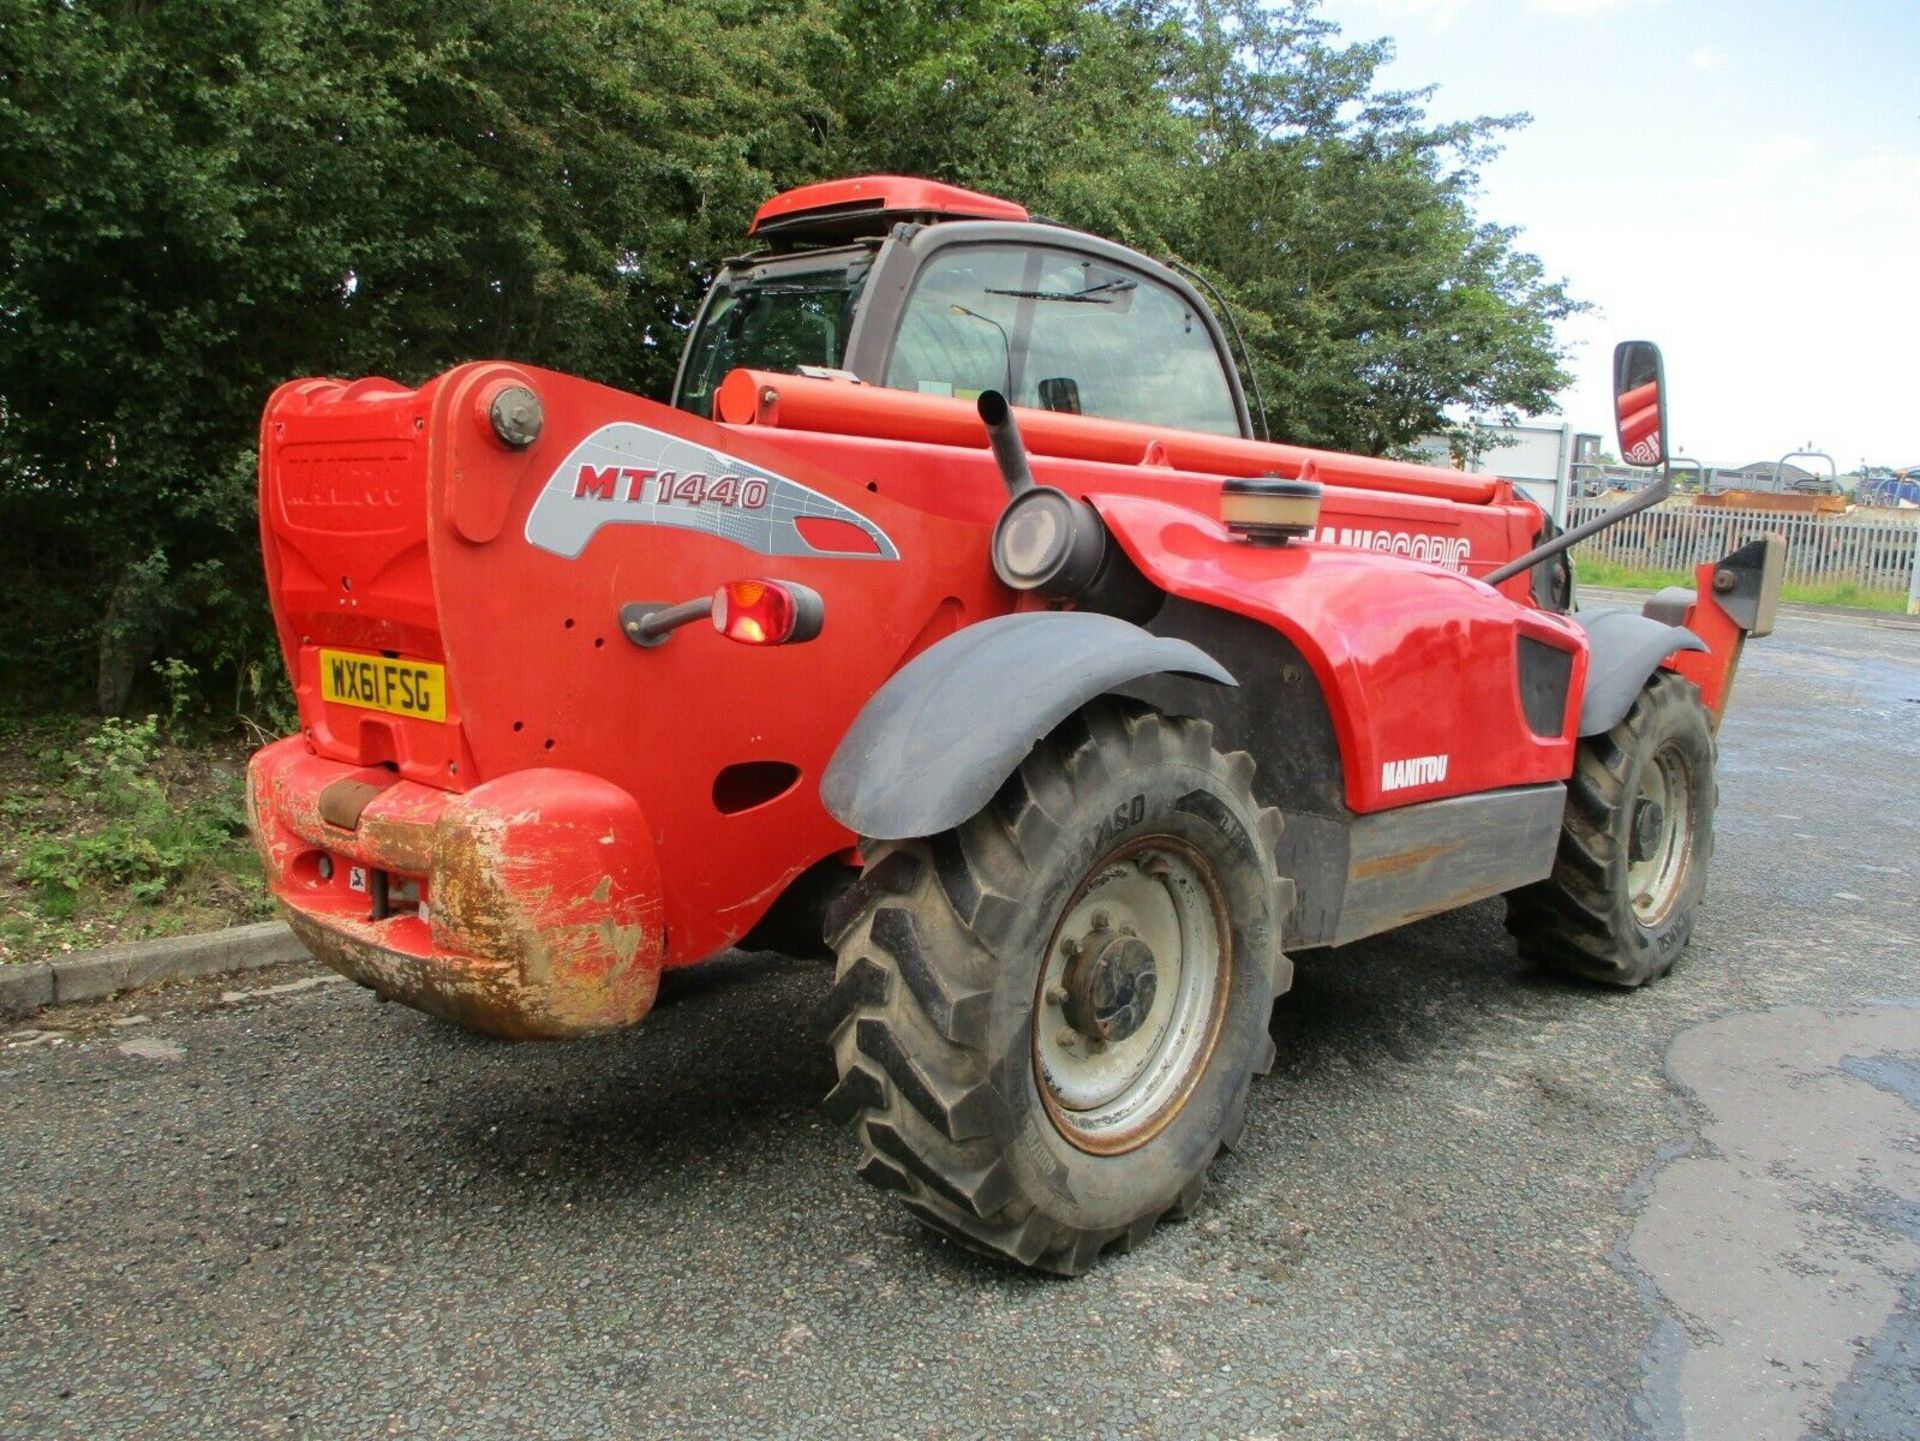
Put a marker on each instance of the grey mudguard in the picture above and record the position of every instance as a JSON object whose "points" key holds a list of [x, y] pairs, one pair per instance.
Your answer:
{"points": [[935, 742], [1623, 650]]}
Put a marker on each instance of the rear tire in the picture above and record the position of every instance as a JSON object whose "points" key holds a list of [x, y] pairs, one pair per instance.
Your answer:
{"points": [[1034, 1106], [1634, 847]]}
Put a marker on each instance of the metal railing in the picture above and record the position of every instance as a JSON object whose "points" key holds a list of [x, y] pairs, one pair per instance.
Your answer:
{"points": [[1875, 553]]}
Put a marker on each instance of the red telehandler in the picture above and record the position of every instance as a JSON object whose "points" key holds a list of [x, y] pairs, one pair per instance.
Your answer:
{"points": [[953, 612]]}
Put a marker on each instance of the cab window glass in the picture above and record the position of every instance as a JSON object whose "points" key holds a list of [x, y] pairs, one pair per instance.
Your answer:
{"points": [[1060, 331], [779, 323]]}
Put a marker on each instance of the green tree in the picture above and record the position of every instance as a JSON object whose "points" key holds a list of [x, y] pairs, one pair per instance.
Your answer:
{"points": [[1060, 103], [197, 202], [1342, 222], [1247, 139]]}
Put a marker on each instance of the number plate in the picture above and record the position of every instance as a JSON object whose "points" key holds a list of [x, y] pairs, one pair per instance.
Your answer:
{"points": [[416, 688]]}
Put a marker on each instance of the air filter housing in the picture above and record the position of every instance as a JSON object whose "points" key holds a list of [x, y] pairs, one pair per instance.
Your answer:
{"points": [[1267, 510]]}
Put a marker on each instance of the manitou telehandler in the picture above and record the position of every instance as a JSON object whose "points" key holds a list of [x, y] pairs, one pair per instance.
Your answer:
{"points": [[952, 610]]}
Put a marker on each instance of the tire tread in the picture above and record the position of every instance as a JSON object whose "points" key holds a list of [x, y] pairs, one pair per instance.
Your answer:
{"points": [[909, 1035], [1579, 921]]}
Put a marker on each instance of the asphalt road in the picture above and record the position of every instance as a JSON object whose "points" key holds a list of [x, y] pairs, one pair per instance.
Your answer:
{"points": [[1471, 1201]]}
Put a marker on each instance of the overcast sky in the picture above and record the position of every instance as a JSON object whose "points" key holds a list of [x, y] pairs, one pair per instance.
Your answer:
{"points": [[1736, 179]]}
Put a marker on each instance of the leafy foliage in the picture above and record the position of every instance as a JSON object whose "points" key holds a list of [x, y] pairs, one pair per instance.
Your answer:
{"points": [[200, 201], [140, 841], [1342, 223]]}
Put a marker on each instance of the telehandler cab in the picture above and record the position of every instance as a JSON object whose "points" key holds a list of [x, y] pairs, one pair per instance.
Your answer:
{"points": [[952, 611]]}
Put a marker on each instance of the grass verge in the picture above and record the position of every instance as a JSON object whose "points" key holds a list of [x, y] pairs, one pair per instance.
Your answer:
{"points": [[1612, 575], [115, 831]]}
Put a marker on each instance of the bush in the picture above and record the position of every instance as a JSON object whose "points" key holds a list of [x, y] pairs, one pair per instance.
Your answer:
{"points": [[143, 844], [200, 201]]}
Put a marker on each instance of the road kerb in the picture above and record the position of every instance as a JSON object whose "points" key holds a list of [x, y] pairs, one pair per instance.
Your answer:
{"points": [[24, 990], [97, 974]]}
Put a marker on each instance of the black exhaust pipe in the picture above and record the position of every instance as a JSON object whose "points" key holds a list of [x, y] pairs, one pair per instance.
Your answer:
{"points": [[1009, 452]]}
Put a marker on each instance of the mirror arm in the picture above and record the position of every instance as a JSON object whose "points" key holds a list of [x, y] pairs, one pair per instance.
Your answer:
{"points": [[1638, 373], [1567, 539]]}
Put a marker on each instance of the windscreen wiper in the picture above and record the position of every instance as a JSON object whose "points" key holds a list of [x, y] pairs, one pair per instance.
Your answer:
{"points": [[1101, 294]]}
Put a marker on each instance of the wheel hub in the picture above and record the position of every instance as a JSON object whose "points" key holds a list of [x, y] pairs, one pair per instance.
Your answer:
{"points": [[1111, 983], [1649, 824]]}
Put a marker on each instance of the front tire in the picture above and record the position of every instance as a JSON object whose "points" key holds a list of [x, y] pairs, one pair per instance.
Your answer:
{"points": [[1634, 847], [1046, 1021]]}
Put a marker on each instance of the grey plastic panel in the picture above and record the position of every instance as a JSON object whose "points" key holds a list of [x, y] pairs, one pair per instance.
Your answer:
{"points": [[935, 742], [1422, 859], [1753, 574], [1624, 649], [1670, 605]]}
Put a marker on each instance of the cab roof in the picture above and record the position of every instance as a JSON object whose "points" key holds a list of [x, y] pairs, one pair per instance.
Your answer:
{"points": [[836, 210]]}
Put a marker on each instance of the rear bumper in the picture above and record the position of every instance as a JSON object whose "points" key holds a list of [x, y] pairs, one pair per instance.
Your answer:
{"points": [[540, 908]]}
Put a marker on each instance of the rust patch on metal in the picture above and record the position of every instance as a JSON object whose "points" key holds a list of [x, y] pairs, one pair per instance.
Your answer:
{"points": [[467, 894], [1402, 860], [342, 802], [487, 996], [479, 997]]}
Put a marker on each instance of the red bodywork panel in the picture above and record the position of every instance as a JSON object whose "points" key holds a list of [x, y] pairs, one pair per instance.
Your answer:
{"points": [[1377, 637], [749, 397], [1711, 670], [880, 195], [538, 674], [591, 811]]}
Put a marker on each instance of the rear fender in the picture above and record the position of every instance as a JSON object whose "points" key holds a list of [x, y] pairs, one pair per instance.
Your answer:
{"points": [[935, 742]]}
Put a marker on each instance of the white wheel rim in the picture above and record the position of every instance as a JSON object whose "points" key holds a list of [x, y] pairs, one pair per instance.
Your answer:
{"points": [[1108, 1096], [1657, 864]]}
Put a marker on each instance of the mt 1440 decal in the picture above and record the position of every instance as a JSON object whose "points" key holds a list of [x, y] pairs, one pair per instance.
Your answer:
{"points": [[628, 474]]}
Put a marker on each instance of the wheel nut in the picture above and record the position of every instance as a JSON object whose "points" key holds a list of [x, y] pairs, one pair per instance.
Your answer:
{"points": [[1099, 920], [1056, 995], [1066, 1035]]}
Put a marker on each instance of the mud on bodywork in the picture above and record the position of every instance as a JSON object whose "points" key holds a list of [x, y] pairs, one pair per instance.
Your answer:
{"points": [[542, 916]]}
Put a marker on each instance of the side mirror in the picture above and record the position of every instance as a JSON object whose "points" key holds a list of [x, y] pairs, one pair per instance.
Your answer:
{"points": [[1640, 407], [1061, 393], [1640, 402]]}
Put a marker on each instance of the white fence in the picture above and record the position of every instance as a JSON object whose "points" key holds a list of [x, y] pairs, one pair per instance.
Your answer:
{"points": [[1876, 554]]}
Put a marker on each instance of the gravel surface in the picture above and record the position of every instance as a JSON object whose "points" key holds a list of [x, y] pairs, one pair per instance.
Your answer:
{"points": [[299, 1212]]}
